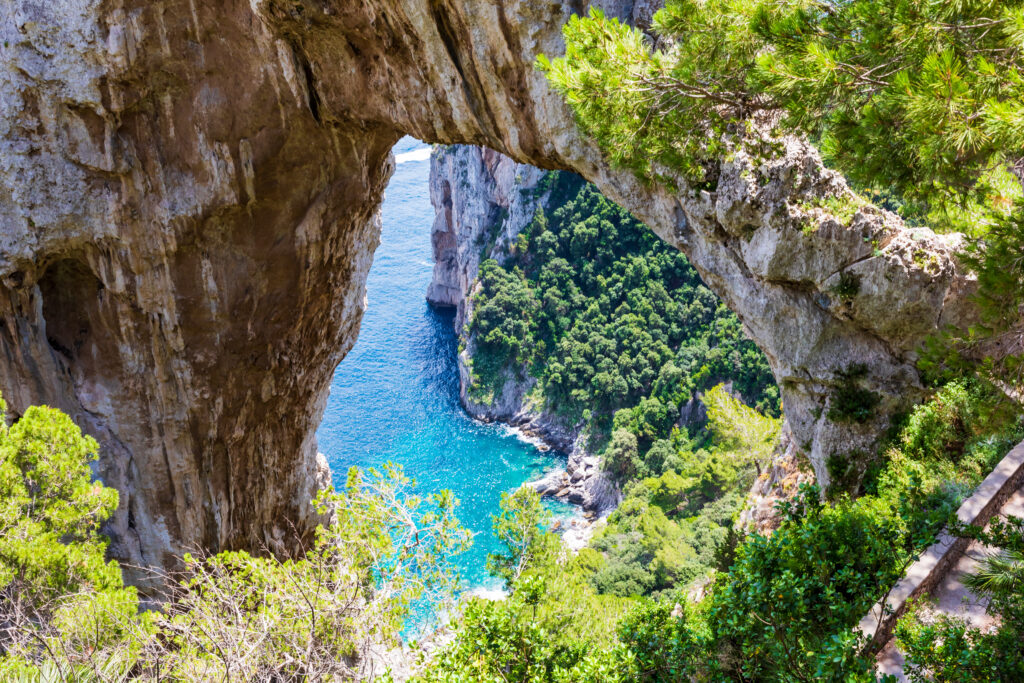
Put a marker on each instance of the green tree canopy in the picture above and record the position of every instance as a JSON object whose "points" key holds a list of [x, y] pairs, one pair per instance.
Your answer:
{"points": [[919, 103], [57, 590], [521, 527], [926, 98]]}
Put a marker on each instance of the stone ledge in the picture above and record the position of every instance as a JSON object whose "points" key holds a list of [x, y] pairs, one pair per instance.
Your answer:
{"points": [[922, 576]]}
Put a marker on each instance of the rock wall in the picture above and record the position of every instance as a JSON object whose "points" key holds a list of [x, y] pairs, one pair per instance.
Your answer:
{"points": [[482, 200], [189, 195]]}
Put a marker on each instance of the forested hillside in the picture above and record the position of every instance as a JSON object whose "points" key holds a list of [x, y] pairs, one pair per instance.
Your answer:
{"points": [[621, 334], [608, 317]]}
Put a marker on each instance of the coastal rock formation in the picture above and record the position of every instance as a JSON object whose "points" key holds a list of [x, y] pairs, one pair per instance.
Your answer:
{"points": [[189, 197], [482, 201]]}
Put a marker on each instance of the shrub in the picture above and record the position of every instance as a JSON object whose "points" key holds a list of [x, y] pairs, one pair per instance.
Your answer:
{"points": [[850, 402], [60, 600], [783, 611]]}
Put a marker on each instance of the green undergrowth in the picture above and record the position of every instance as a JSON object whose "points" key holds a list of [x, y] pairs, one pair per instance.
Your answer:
{"points": [[682, 497], [778, 607], [67, 615], [947, 646]]}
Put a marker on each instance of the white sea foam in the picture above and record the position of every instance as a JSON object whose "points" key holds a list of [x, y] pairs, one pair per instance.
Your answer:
{"points": [[528, 439], [489, 593], [421, 154]]}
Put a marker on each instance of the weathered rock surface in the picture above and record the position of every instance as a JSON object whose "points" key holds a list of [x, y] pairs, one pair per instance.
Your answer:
{"points": [[188, 209], [482, 200]]}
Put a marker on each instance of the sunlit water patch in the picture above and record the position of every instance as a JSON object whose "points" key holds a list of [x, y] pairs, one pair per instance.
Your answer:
{"points": [[395, 396]]}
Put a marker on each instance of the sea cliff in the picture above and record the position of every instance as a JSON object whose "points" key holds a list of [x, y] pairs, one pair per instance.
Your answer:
{"points": [[482, 201]]}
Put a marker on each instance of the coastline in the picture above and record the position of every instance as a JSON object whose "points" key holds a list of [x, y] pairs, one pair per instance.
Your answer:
{"points": [[582, 482]]}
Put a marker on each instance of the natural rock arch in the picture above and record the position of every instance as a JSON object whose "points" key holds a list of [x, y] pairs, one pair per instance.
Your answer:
{"points": [[189, 198]]}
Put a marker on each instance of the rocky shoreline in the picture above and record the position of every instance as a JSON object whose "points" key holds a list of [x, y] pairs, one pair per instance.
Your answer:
{"points": [[582, 482], [482, 200]]}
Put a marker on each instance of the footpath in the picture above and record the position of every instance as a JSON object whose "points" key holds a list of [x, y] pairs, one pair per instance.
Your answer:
{"points": [[939, 572]]}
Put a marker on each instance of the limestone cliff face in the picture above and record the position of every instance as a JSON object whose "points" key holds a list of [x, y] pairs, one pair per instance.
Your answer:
{"points": [[189, 196], [482, 200]]}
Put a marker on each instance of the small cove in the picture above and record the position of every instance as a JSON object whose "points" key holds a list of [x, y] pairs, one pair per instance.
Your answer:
{"points": [[395, 395]]}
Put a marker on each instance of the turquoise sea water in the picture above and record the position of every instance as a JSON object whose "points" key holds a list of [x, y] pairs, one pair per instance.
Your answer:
{"points": [[395, 396]]}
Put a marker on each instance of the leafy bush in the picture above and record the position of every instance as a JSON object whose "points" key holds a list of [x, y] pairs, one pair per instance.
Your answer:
{"points": [[318, 617], [947, 648], [661, 645], [60, 600], [783, 611], [551, 627], [521, 527], [498, 641], [66, 615], [946, 446]]}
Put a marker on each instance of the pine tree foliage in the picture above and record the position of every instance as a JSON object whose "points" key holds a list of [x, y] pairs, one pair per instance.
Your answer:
{"points": [[58, 593], [521, 529], [665, 107], [919, 103], [924, 98], [66, 615], [741, 429]]}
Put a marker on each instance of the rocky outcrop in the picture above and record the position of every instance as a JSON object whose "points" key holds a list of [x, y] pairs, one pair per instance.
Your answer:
{"points": [[189, 198], [482, 200], [583, 482]]}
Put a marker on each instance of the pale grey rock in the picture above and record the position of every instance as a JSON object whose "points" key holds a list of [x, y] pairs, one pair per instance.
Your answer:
{"points": [[693, 413], [482, 200], [189, 197]]}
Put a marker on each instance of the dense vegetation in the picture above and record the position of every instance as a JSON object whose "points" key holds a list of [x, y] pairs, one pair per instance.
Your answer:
{"points": [[949, 649], [782, 606], [675, 523], [620, 333], [66, 615], [779, 609], [607, 317], [919, 103]]}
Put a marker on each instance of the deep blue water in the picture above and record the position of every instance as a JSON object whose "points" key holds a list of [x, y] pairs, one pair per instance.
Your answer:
{"points": [[395, 396]]}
